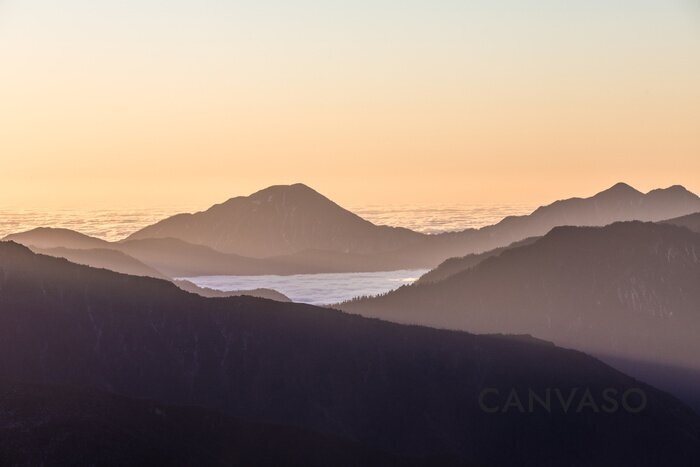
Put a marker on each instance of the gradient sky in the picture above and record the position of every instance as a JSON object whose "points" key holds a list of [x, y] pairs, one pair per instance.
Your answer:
{"points": [[145, 102]]}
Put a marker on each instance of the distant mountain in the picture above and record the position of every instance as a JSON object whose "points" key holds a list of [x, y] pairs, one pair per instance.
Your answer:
{"points": [[168, 256], [54, 425], [295, 230], [177, 258], [268, 294], [618, 203], [174, 256], [50, 237], [452, 266], [411, 391], [280, 220], [323, 237], [104, 258], [628, 293], [691, 221]]}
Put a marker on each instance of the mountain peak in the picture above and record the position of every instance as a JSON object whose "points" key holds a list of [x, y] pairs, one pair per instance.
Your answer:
{"points": [[621, 188], [294, 189], [678, 190]]}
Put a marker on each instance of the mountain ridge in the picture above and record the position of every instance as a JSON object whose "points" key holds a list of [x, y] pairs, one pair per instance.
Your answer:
{"points": [[288, 234], [628, 290]]}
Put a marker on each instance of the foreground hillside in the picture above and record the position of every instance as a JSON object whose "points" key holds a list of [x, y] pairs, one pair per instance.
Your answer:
{"points": [[54, 425], [409, 391]]}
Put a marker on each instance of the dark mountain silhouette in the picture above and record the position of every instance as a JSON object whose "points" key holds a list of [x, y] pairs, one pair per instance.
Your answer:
{"points": [[628, 292], [280, 220], [54, 425], [691, 221], [408, 390]]}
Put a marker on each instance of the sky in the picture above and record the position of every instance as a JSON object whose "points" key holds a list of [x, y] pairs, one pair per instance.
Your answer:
{"points": [[141, 103]]}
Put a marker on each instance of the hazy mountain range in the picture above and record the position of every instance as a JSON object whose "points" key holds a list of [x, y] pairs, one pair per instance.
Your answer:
{"points": [[628, 293], [402, 393], [295, 230]]}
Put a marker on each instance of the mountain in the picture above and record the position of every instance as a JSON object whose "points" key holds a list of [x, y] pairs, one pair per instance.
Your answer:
{"points": [[411, 391], [54, 425], [50, 237], [452, 266], [168, 256], [172, 255], [212, 293], [177, 258], [691, 221], [627, 293], [296, 222], [280, 220], [294, 230], [621, 202]]}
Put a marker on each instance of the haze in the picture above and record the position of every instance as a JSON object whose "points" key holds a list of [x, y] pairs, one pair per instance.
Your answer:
{"points": [[145, 103]]}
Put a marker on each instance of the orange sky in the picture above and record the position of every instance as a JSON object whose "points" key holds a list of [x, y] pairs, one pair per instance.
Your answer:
{"points": [[155, 103]]}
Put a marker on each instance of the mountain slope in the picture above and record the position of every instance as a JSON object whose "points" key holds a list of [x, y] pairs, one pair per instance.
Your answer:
{"points": [[104, 258], [173, 255], [452, 266], [268, 294], [409, 390], [280, 220], [628, 292], [53, 425], [691, 221]]}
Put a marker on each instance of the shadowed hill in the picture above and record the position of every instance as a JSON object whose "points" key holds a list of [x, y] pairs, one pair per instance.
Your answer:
{"points": [[628, 291], [409, 390]]}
